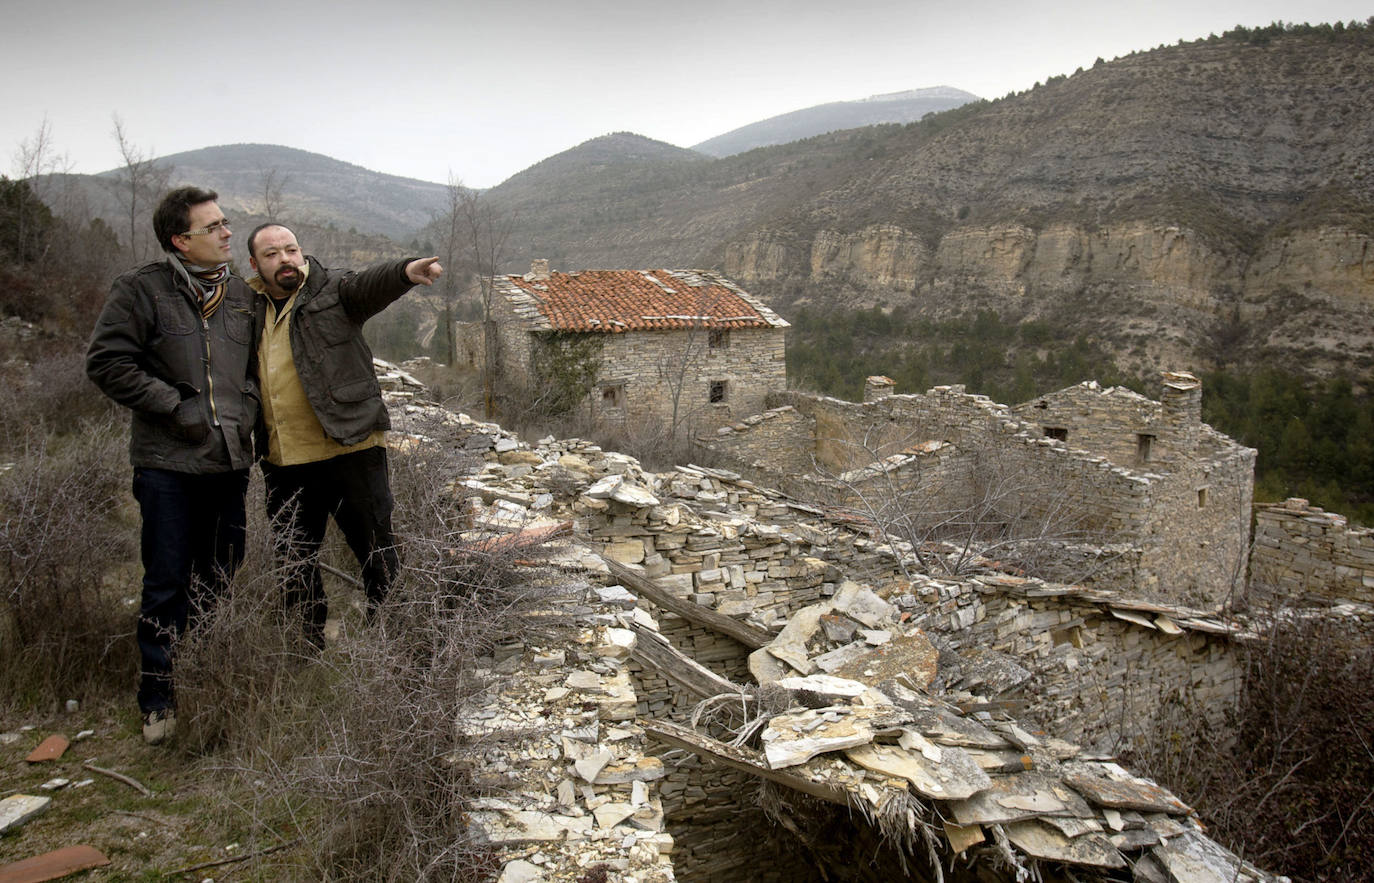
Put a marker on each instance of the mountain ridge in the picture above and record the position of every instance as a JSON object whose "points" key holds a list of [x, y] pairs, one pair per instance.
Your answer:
{"points": [[893, 107]]}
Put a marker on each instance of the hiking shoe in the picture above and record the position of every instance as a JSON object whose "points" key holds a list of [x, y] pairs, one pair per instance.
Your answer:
{"points": [[158, 725]]}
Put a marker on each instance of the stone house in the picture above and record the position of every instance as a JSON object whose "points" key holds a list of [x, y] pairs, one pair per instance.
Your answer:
{"points": [[1096, 467], [678, 347]]}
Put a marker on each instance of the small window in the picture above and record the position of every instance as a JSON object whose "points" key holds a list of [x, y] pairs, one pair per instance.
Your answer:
{"points": [[718, 391], [613, 396], [1058, 433], [1143, 444], [1202, 498], [718, 339]]}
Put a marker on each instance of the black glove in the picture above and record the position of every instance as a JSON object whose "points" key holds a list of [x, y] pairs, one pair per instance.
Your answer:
{"points": [[187, 422]]}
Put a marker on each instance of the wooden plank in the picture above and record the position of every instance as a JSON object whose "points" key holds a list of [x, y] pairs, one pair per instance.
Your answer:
{"points": [[742, 759], [636, 581], [653, 651]]}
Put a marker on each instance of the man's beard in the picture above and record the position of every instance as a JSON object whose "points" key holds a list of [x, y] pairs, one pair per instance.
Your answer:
{"points": [[292, 279]]}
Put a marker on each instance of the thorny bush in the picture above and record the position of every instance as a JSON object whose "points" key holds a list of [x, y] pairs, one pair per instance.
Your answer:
{"points": [[66, 537], [364, 750], [1288, 786]]}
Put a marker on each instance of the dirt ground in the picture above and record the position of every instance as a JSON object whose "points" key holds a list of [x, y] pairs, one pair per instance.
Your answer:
{"points": [[197, 814]]}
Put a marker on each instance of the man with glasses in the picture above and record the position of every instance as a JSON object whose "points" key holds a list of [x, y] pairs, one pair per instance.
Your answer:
{"points": [[323, 413], [175, 345]]}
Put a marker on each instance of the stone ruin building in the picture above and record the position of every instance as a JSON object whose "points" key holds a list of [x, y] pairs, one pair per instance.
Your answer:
{"points": [[1135, 494], [670, 347], [757, 687]]}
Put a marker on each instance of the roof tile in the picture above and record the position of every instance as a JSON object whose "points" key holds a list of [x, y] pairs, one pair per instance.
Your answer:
{"points": [[616, 301]]}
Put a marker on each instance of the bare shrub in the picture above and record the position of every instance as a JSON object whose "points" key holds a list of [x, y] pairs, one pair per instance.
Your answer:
{"points": [[51, 396], [958, 504], [1289, 785], [66, 535], [363, 749]]}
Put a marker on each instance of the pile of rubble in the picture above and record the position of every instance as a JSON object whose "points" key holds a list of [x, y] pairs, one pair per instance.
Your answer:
{"points": [[871, 717]]}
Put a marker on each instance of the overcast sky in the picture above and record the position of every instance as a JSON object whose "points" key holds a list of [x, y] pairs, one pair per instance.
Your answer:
{"points": [[482, 90]]}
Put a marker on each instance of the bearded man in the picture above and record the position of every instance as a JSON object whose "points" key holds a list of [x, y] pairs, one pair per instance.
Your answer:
{"points": [[324, 423]]}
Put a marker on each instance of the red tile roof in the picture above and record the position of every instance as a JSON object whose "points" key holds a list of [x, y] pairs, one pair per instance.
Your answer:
{"points": [[616, 301]]}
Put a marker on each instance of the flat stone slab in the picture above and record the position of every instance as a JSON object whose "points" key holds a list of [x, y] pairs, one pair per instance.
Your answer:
{"points": [[52, 865], [1044, 842], [911, 658], [825, 685], [17, 809], [796, 737], [952, 775], [1125, 793]]}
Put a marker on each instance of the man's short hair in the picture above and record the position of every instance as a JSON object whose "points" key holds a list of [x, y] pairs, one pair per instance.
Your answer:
{"points": [[173, 215], [253, 237]]}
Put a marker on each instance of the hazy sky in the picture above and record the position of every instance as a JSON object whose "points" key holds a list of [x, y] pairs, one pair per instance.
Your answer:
{"points": [[481, 90]]}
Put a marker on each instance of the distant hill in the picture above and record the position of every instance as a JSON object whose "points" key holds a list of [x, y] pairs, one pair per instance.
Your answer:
{"points": [[315, 188], [1188, 206], [894, 107]]}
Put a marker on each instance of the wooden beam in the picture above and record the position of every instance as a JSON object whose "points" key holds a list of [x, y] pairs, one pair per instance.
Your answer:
{"points": [[653, 651], [748, 635], [743, 759]]}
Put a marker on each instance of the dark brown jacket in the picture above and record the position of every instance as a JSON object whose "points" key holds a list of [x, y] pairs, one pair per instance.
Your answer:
{"points": [[152, 350], [332, 360]]}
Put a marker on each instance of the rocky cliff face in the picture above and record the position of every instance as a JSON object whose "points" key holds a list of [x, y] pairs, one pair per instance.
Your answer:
{"points": [[1308, 295]]}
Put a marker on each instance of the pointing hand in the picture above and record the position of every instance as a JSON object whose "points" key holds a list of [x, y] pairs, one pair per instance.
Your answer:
{"points": [[424, 271]]}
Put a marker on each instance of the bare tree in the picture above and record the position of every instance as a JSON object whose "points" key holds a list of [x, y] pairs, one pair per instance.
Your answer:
{"points": [[687, 355], [140, 181], [449, 224], [35, 164], [486, 231], [273, 183], [956, 501]]}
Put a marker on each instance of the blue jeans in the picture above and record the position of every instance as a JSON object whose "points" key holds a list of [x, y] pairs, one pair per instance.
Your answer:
{"points": [[193, 534], [355, 489]]}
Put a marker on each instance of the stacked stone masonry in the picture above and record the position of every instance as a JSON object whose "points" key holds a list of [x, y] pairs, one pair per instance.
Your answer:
{"points": [[1306, 554], [1186, 508], [698, 376]]}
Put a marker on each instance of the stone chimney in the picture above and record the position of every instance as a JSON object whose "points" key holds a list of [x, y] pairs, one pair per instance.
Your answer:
{"points": [[539, 270], [878, 387], [1180, 414]]}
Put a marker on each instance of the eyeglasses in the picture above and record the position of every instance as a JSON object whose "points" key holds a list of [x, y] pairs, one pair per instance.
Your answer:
{"points": [[221, 224]]}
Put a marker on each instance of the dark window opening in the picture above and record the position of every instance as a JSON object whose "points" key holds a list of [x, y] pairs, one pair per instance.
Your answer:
{"points": [[1143, 444], [612, 396], [718, 339], [1201, 497], [1058, 433], [718, 391]]}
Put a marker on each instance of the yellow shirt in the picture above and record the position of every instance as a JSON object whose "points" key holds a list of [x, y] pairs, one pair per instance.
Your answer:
{"points": [[294, 433]]}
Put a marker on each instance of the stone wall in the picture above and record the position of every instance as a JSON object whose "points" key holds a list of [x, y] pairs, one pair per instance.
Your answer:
{"points": [[1306, 554], [946, 451]]}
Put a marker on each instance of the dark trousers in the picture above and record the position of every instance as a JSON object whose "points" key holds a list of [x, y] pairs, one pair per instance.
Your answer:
{"points": [[355, 488], [193, 535]]}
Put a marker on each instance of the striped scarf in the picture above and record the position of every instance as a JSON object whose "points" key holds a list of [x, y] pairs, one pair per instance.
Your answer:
{"points": [[213, 283]]}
